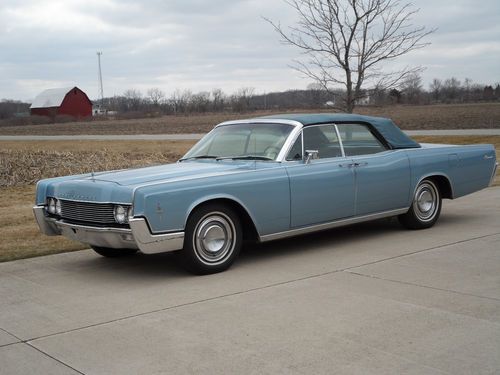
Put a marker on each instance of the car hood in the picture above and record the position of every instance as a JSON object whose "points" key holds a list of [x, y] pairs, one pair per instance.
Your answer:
{"points": [[169, 172]]}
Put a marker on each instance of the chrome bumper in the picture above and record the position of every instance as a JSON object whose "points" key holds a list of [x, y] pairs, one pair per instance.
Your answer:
{"points": [[137, 237]]}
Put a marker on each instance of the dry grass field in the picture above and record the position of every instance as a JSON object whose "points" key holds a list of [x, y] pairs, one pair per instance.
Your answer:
{"points": [[443, 116], [27, 162], [19, 232], [23, 163]]}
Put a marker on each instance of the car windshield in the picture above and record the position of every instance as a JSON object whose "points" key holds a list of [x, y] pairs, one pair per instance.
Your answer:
{"points": [[242, 141]]}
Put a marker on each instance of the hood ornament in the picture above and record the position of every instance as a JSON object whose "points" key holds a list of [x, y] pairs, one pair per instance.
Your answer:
{"points": [[92, 176]]}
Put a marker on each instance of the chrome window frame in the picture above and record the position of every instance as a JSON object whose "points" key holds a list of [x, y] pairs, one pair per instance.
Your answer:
{"points": [[301, 134], [293, 136], [370, 131], [297, 126]]}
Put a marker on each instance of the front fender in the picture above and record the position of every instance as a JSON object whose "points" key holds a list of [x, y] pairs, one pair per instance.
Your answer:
{"points": [[264, 194], [213, 197]]}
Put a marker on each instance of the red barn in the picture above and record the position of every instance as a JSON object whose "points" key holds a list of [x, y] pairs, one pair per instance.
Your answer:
{"points": [[64, 101]]}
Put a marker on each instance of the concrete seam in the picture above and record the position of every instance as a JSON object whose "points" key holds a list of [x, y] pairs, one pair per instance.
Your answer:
{"points": [[38, 350], [245, 291], [420, 251], [10, 334], [422, 286], [54, 358], [182, 305]]}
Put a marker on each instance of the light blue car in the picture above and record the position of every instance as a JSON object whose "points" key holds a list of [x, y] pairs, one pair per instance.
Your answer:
{"points": [[263, 179]]}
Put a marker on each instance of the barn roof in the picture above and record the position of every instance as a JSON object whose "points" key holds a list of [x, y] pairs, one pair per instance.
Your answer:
{"points": [[51, 97]]}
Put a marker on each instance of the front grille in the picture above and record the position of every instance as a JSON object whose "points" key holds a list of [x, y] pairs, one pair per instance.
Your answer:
{"points": [[97, 213]]}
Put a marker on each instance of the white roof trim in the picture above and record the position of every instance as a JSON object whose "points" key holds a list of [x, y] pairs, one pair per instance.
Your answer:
{"points": [[51, 97]]}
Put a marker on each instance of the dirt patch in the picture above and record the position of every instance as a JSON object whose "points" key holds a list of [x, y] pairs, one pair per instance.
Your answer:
{"points": [[452, 116]]}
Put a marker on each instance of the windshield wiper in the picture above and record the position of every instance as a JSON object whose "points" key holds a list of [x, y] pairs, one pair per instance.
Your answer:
{"points": [[245, 157], [200, 157]]}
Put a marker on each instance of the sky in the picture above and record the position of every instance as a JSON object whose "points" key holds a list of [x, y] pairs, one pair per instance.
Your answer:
{"points": [[199, 45]]}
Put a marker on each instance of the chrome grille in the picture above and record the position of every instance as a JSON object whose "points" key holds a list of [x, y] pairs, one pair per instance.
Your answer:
{"points": [[98, 213]]}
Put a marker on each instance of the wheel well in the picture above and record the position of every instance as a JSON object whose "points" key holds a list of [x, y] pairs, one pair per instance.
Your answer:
{"points": [[247, 225], [443, 185]]}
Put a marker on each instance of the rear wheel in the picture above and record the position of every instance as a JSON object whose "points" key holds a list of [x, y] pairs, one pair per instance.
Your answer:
{"points": [[425, 208], [213, 239], [113, 253]]}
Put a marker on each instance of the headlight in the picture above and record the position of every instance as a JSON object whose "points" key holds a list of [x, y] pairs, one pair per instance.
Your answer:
{"points": [[121, 214], [58, 207], [51, 206]]}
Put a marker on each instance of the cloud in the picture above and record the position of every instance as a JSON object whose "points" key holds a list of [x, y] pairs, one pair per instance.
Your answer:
{"points": [[199, 44]]}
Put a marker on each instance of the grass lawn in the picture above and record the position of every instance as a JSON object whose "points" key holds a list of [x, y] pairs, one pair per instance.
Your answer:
{"points": [[18, 230]]}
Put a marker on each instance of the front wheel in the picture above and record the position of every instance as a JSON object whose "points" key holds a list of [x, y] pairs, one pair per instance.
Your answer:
{"points": [[213, 239], [425, 208]]}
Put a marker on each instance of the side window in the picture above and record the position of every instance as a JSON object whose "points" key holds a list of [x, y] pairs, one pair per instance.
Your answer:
{"points": [[324, 139], [295, 152], [357, 139]]}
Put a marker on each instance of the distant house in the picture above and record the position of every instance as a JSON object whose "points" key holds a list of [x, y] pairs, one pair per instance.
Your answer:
{"points": [[98, 110], [365, 100], [69, 101]]}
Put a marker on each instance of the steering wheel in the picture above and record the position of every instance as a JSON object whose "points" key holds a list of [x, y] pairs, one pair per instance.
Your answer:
{"points": [[271, 151]]}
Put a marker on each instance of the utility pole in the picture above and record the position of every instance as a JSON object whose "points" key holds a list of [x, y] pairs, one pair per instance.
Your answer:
{"points": [[101, 89]]}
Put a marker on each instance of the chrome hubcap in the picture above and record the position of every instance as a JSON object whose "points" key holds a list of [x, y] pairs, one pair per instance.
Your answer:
{"points": [[426, 201], [214, 238]]}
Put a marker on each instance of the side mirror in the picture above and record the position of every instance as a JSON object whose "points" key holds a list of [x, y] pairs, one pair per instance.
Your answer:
{"points": [[311, 155]]}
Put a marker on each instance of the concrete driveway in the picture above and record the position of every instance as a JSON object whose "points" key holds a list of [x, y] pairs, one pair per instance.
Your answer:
{"points": [[371, 298]]}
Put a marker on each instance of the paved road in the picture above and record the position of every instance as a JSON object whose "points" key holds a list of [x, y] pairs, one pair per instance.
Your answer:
{"points": [[108, 137], [371, 299], [172, 137]]}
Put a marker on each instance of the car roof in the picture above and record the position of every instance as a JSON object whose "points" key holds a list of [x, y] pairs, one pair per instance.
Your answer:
{"points": [[321, 118], [396, 138]]}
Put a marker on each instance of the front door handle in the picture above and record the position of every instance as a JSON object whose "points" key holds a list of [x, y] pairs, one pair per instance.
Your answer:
{"points": [[362, 164], [347, 165]]}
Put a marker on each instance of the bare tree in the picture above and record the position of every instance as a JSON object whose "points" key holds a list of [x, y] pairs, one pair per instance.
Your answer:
{"points": [[451, 89], [200, 102], [435, 88], [240, 101], [133, 99], [346, 42], [180, 100], [218, 98], [411, 87], [467, 88], [156, 96]]}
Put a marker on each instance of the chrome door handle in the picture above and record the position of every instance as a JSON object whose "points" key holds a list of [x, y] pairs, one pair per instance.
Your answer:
{"points": [[488, 157], [346, 165], [362, 164]]}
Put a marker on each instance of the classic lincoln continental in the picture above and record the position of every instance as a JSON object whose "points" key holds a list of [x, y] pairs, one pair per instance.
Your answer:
{"points": [[263, 179]]}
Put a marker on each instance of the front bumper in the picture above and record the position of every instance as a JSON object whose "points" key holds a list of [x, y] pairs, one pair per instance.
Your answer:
{"points": [[137, 237]]}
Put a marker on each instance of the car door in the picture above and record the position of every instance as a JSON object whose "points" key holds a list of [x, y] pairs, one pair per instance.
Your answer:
{"points": [[382, 176], [322, 189]]}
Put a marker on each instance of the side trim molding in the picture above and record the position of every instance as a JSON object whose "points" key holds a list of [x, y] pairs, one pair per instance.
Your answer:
{"points": [[333, 224]]}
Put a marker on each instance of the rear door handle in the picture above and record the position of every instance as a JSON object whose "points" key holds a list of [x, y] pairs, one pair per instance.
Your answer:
{"points": [[362, 164]]}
